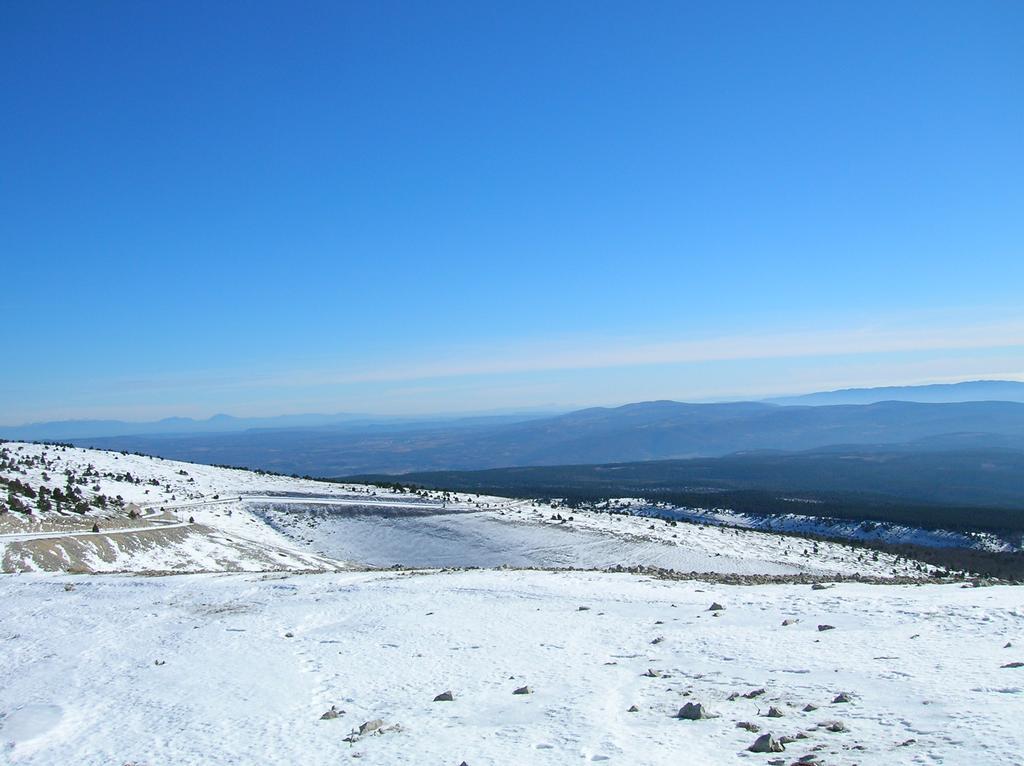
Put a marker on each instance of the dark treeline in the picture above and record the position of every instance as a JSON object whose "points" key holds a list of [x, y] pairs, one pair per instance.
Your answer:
{"points": [[851, 506]]}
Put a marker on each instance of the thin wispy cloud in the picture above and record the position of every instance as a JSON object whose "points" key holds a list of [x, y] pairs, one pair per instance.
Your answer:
{"points": [[583, 370], [613, 353]]}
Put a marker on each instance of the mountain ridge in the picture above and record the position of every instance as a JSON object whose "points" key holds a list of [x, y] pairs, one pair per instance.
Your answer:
{"points": [[635, 432]]}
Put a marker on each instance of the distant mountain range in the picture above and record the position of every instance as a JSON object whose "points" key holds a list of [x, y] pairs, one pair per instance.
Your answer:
{"points": [[968, 391], [635, 432], [84, 429], [64, 430]]}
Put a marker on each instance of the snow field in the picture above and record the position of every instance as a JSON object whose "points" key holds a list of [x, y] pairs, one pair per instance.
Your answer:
{"points": [[922, 664]]}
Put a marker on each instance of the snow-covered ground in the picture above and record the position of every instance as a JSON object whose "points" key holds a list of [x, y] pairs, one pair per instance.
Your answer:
{"points": [[805, 524], [523, 534], [321, 525], [239, 668], [221, 666]]}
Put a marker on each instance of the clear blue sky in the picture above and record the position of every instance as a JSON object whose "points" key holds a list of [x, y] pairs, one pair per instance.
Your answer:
{"points": [[261, 208]]}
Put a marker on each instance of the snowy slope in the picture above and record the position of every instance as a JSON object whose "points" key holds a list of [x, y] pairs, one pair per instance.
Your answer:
{"points": [[201, 669], [167, 494], [320, 526], [524, 534], [227, 667], [846, 529]]}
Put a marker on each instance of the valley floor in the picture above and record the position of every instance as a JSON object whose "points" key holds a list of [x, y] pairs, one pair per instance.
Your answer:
{"points": [[239, 668]]}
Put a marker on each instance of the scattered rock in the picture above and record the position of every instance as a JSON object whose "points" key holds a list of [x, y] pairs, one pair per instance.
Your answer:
{"points": [[445, 697], [715, 607], [371, 726], [907, 743], [1007, 645], [733, 696], [789, 621], [658, 640], [633, 709], [523, 690], [652, 673], [842, 697], [583, 609], [1013, 665], [159, 662], [826, 627], [836, 727], [810, 707], [766, 743], [755, 693], [694, 711], [331, 714], [69, 586], [95, 527], [753, 728], [822, 586], [774, 712]]}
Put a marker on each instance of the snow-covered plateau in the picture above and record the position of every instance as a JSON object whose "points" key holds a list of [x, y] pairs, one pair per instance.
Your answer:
{"points": [[270, 638]]}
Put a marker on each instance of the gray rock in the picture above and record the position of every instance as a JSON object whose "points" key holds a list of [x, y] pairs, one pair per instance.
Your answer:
{"points": [[445, 697], [1013, 665], [766, 743], [836, 727], [810, 707], [658, 640], [715, 607], [633, 709], [523, 690], [652, 673], [826, 627], [331, 714], [842, 697], [753, 728], [694, 711], [821, 586], [755, 693], [774, 712], [789, 621], [371, 726]]}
